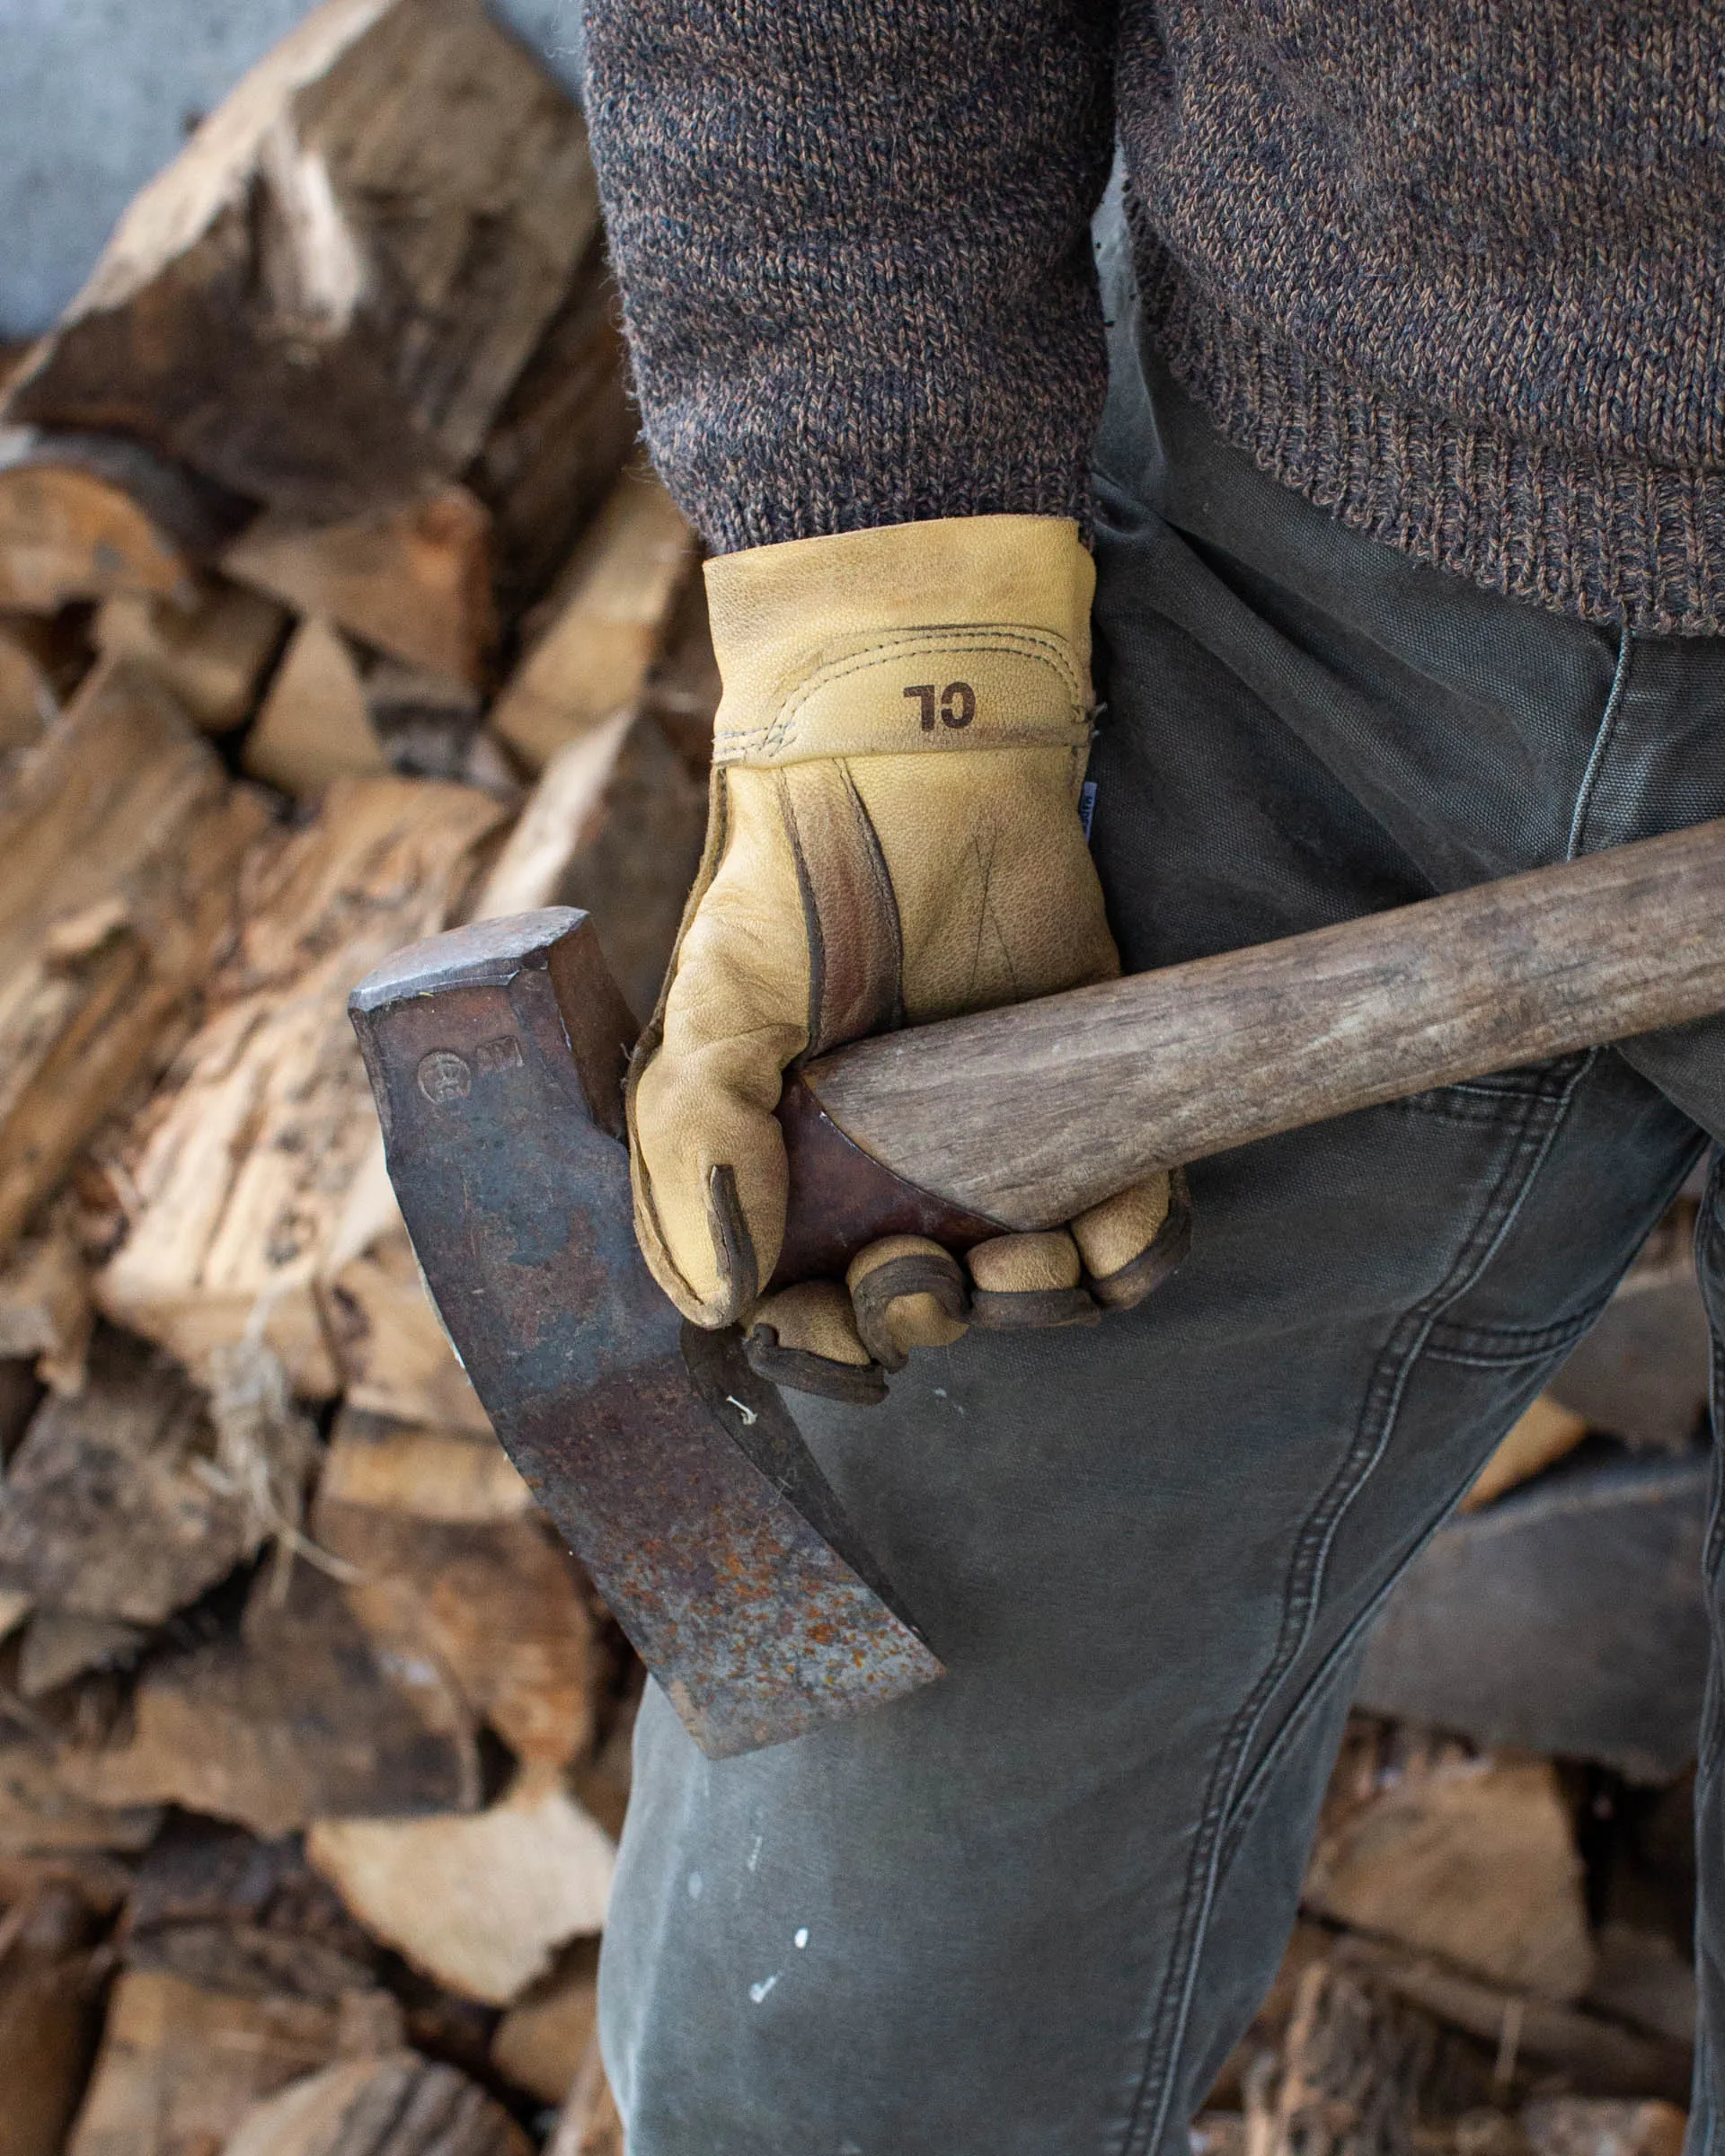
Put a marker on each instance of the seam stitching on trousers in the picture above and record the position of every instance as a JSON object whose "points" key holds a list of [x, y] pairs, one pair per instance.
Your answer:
{"points": [[1601, 742], [1256, 1786], [1511, 1343], [1534, 1129], [1468, 1102], [1712, 1733]]}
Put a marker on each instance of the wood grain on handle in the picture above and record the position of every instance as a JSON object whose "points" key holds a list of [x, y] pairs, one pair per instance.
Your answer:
{"points": [[1028, 1115]]}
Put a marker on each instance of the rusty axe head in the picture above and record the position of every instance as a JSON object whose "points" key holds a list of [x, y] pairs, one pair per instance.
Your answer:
{"points": [[496, 1054]]}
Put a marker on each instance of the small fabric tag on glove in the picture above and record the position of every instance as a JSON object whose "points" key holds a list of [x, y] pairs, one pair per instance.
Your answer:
{"points": [[1087, 805]]}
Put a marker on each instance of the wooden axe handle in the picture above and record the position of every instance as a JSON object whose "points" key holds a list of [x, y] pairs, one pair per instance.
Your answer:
{"points": [[1026, 1116]]}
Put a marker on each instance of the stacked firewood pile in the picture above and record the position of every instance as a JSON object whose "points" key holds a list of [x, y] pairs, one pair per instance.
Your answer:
{"points": [[336, 607]]}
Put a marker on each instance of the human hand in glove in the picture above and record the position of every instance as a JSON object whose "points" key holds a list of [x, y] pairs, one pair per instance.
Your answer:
{"points": [[893, 837]]}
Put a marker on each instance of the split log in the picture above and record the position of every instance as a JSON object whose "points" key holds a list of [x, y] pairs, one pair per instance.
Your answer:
{"points": [[1474, 1860], [480, 1904], [244, 1170], [452, 1476], [299, 1716], [29, 704], [111, 1508], [1641, 1372], [1360, 2074], [591, 2124], [1544, 1432], [560, 440], [213, 655], [59, 1645], [1597, 2056], [231, 1914], [82, 517], [1567, 1618], [180, 2067], [315, 724], [599, 631], [413, 579], [541, 2044], [684, 688], [121, 840], [101, 1882], [48, 2022], [428, 723], [46, 1315], [614, 825], [268, 312], [41, 1815], [1642, 1977], [399, 2105], [1582, 2126], [395, 1356], [496, 1605], [601, 1786]]}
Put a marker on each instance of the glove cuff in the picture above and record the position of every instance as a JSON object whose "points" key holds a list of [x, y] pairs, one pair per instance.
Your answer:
{"points": [[961, 632]]}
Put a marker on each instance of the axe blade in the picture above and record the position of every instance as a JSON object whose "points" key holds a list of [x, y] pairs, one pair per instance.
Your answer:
{"points": [[496, 1054]]}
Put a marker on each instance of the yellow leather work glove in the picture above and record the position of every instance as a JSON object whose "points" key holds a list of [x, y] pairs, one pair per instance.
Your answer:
{"points": [[894, 837]]}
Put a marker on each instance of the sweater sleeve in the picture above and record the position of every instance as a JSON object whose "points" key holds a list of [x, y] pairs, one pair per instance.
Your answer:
{"points": [[853, 239]]}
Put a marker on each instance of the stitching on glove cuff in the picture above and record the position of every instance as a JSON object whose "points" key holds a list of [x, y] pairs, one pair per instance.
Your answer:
{"points": [[928, 692]]}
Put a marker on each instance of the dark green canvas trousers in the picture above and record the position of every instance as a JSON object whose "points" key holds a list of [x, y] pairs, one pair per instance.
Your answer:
{"points": [[1027, 1912]]}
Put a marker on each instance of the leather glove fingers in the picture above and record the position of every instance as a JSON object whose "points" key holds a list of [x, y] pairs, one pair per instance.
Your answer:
{"points": [[905, 1291]]}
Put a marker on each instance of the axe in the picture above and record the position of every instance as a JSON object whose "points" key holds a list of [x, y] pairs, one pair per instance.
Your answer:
{"points": [[497, 1053]]}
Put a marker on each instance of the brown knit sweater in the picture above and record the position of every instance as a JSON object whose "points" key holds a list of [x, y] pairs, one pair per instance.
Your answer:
{"points": [[1455, 268]]}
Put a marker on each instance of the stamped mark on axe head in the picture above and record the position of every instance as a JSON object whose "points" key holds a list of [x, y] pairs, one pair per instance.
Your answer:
{"points": [[496, 1054]]}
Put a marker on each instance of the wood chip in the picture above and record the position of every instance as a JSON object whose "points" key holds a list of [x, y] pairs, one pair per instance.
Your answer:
{"points": [[412, 578], [602, 626], [266, 314], [244, 1172], [1474, 1860], [399, 2105], [121, 815], [480, 1904]]}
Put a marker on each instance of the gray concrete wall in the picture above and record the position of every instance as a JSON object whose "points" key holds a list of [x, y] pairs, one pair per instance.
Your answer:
{"points": [[96, 95]]}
